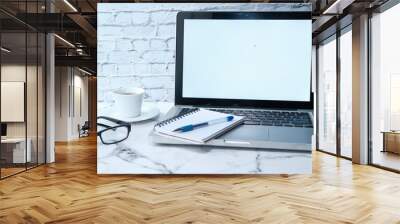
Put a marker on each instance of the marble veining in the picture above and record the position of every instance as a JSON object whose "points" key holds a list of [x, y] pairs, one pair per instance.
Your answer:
{"points": [[139, 155]]}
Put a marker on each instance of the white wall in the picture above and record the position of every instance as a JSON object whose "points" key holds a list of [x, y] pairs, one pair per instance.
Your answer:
{"points": [[61, 103], [67, 115], [136, 43], [16, 72], [79, 117]]}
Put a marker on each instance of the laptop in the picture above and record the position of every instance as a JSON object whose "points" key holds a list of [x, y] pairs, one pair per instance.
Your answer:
{"points": [[252, 64]]}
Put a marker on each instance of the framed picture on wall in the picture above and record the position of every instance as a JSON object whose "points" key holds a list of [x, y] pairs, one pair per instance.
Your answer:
{"points": [[12, 101]]}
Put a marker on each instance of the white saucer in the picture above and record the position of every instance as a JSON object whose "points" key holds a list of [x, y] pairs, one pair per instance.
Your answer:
{"points": [[149, 111]]}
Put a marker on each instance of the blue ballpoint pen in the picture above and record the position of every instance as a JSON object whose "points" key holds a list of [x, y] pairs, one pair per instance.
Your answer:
{"points": [[191, 127]]}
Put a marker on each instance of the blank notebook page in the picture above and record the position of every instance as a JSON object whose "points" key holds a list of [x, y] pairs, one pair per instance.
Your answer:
{"points": [[201, 134]]}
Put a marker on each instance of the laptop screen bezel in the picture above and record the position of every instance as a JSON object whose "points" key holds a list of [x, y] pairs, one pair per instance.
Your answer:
{"points": [[215, 102]]}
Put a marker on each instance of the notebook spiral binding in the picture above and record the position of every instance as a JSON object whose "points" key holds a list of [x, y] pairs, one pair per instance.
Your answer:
{"points": [[168, 121]]}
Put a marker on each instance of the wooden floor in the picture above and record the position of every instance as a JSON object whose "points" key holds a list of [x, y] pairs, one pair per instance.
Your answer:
{"points": [[70, 191]]}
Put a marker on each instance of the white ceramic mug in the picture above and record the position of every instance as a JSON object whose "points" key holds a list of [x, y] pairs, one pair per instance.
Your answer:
{"points": [[128, 102]]}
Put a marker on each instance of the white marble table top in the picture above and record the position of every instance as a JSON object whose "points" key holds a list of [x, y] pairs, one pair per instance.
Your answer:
{"points": [[138, 155]]}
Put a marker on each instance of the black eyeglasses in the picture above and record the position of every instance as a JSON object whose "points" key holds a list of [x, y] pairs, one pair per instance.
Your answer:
{"points": [[113, 134]]}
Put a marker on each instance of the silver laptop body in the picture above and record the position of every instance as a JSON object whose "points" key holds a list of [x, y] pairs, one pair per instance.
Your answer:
{"points": [[281, 123]]}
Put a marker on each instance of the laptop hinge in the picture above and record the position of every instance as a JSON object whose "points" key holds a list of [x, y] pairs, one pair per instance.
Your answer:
{"points": [[243, 108]]}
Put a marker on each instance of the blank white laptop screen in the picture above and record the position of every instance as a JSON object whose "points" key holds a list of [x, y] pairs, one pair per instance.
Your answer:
{"points": [[247, 59]]}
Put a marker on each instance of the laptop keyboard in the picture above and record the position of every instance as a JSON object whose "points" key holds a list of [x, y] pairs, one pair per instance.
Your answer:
{"points": [[268, 117]]}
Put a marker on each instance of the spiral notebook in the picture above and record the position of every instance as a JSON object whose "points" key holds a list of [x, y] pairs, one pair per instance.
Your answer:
{"points": [[199, 135]]}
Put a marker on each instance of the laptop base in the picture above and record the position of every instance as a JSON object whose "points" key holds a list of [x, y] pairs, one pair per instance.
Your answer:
{"points": [[251, 137]]}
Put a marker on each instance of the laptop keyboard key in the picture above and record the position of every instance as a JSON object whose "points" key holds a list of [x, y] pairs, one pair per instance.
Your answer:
{"points": [[252, 122], [270, 117]]}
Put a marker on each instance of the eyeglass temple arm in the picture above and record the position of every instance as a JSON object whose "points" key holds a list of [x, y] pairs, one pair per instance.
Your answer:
{"points": [[104, 125], [112, 119]]}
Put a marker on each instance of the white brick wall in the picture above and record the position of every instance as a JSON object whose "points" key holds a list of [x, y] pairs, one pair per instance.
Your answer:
{"points": [[136, 43]]}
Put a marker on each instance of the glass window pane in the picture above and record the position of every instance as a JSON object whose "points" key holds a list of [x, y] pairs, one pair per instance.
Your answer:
{"points": [[41, 98], [385, 87], [327, 96], [13, 86], [23, 87], [32, 87], [32, 95], [346, 94], [114, 135]]}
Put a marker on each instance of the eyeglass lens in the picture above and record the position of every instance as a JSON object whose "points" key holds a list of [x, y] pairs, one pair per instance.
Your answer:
{"points": [[114, 135]]}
